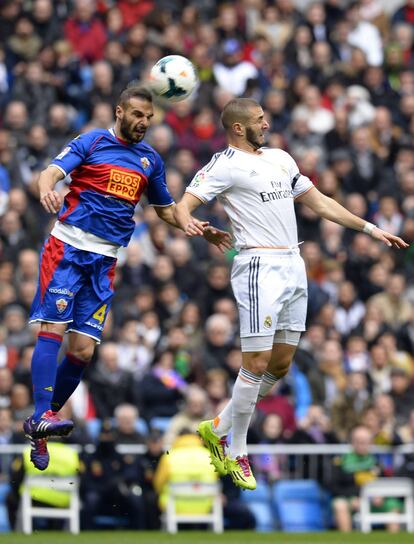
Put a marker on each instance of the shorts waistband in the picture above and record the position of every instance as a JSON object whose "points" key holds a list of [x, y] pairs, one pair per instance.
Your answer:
{"points": [[291, 250]]}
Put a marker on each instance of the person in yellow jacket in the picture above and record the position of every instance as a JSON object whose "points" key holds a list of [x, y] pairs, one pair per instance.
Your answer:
{"points": [[187, 461], [64, 462]]}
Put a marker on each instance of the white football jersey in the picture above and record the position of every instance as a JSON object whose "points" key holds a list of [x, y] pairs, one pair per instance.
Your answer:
{"points": [[257, 192]]}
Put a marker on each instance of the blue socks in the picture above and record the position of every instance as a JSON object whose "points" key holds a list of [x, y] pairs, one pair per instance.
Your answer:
{"points": [[69, 374], [44, 367]]}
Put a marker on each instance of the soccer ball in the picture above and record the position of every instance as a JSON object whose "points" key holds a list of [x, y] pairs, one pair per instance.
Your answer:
{"points": [[173, 78]]}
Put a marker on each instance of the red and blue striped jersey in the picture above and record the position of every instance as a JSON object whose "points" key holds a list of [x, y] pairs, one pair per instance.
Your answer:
{"points": [[109, 177]]}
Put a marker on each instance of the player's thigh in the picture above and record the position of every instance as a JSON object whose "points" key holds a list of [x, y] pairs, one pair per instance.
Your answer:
{"points": [[93, 301], [59, 281], [261, 287], [292, 316]]}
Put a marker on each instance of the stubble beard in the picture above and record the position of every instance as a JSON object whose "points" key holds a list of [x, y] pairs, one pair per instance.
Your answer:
{"points": [[127, 133], [253, 139]]}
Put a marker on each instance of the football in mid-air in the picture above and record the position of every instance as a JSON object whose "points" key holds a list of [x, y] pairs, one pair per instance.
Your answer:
{"points": [[173, 78]]}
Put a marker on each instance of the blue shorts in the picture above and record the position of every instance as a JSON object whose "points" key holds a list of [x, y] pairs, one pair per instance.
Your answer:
{"points": [[75, 287]]}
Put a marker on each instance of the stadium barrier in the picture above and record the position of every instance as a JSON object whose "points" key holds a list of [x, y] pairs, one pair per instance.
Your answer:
{"points": [[296, 461]]}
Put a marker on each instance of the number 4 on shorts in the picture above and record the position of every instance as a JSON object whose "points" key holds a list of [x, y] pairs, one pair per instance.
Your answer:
{"points": [[99, 315]]}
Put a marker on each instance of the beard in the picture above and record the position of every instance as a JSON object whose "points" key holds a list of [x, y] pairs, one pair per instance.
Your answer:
{"points": [[128, 133], [253, 139]]}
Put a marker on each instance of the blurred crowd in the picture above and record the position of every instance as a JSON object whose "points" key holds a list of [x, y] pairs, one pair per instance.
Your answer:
{"points": [[336, 80]]}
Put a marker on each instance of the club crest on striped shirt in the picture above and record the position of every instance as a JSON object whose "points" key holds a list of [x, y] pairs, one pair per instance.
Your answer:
{"points": [[267, 322]]}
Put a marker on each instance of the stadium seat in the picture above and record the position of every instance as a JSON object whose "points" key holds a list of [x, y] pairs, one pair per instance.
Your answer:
{"points": [[259, 503], [193, 491], [141, 426], [402, 488], [160, 423], [29, 511], [93, 426], [298, 505], [4, 518], [110, 522]]}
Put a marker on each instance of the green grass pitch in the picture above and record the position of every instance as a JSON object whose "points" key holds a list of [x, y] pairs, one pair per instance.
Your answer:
{"points": [[196, 537]]}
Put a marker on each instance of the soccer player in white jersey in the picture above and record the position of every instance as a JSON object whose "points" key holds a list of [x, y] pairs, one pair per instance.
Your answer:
{"points": [[258, 187]]}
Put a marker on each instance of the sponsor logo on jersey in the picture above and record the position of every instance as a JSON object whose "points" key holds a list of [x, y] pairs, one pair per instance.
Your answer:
{"points": [[276, 195], [124, 184], [267, 322], [145, 162], [94, 325], [60, 291], [199, 178], [61, 305]]}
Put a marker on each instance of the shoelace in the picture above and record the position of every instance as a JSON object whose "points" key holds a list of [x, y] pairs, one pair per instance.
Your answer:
{"points": [[51, 416], [244, 465], [40, 445], [223, 442]]}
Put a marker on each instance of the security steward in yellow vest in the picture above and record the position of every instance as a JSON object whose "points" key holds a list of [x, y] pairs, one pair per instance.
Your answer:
{"points": [[187, 461], [64, 462]]}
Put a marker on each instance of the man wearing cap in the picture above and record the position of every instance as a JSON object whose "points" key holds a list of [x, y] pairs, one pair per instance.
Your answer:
{"points": [[232, 73]]}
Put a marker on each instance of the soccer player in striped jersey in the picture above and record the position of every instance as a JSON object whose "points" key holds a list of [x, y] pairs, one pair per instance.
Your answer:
{"points": [[110, 171], [258, 187]]}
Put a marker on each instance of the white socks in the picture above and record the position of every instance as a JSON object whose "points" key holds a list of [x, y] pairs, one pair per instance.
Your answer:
{"points": [[268, 381], [236, 415]]}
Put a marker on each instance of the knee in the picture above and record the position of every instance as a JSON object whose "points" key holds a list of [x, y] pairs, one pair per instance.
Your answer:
{"points": [[84, 353], [280, 365], [282, 370], [256, 362]]}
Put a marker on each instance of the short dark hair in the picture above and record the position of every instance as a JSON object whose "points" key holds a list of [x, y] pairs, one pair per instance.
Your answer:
{"points": [[237, 111], [134, 91]]}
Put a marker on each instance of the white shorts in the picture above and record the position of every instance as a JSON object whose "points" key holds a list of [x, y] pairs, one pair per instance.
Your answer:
{"points": [[271, 290]]}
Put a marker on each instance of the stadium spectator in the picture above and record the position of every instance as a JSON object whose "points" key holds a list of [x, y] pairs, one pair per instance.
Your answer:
{"points": [[196, 408], [111, 485], [186, 461], [350, 473], [109, 384], [85, 32], [350, 404], [126, 424], [161, 389]]}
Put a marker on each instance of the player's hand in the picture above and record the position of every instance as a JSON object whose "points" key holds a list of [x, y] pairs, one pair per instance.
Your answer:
{"points": [[51, 201], [388, 238], [220, 238], [195, 227]]}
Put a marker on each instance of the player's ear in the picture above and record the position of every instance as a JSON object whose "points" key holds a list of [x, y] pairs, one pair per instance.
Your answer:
{"points": [[119, 111], [238, 128]]}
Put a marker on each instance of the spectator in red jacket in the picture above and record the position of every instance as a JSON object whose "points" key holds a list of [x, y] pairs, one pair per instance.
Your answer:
{"points": [[85, 32]]}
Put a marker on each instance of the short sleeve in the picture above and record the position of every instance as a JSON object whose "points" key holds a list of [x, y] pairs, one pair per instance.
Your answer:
{"points": [[74, 154], [211, 181], [300, 183], [157, 192]]}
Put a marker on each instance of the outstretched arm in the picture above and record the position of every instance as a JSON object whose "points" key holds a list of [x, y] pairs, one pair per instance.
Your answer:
{"points": [[168, 214], [191, 226], [185, 220], [328, 208]]}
